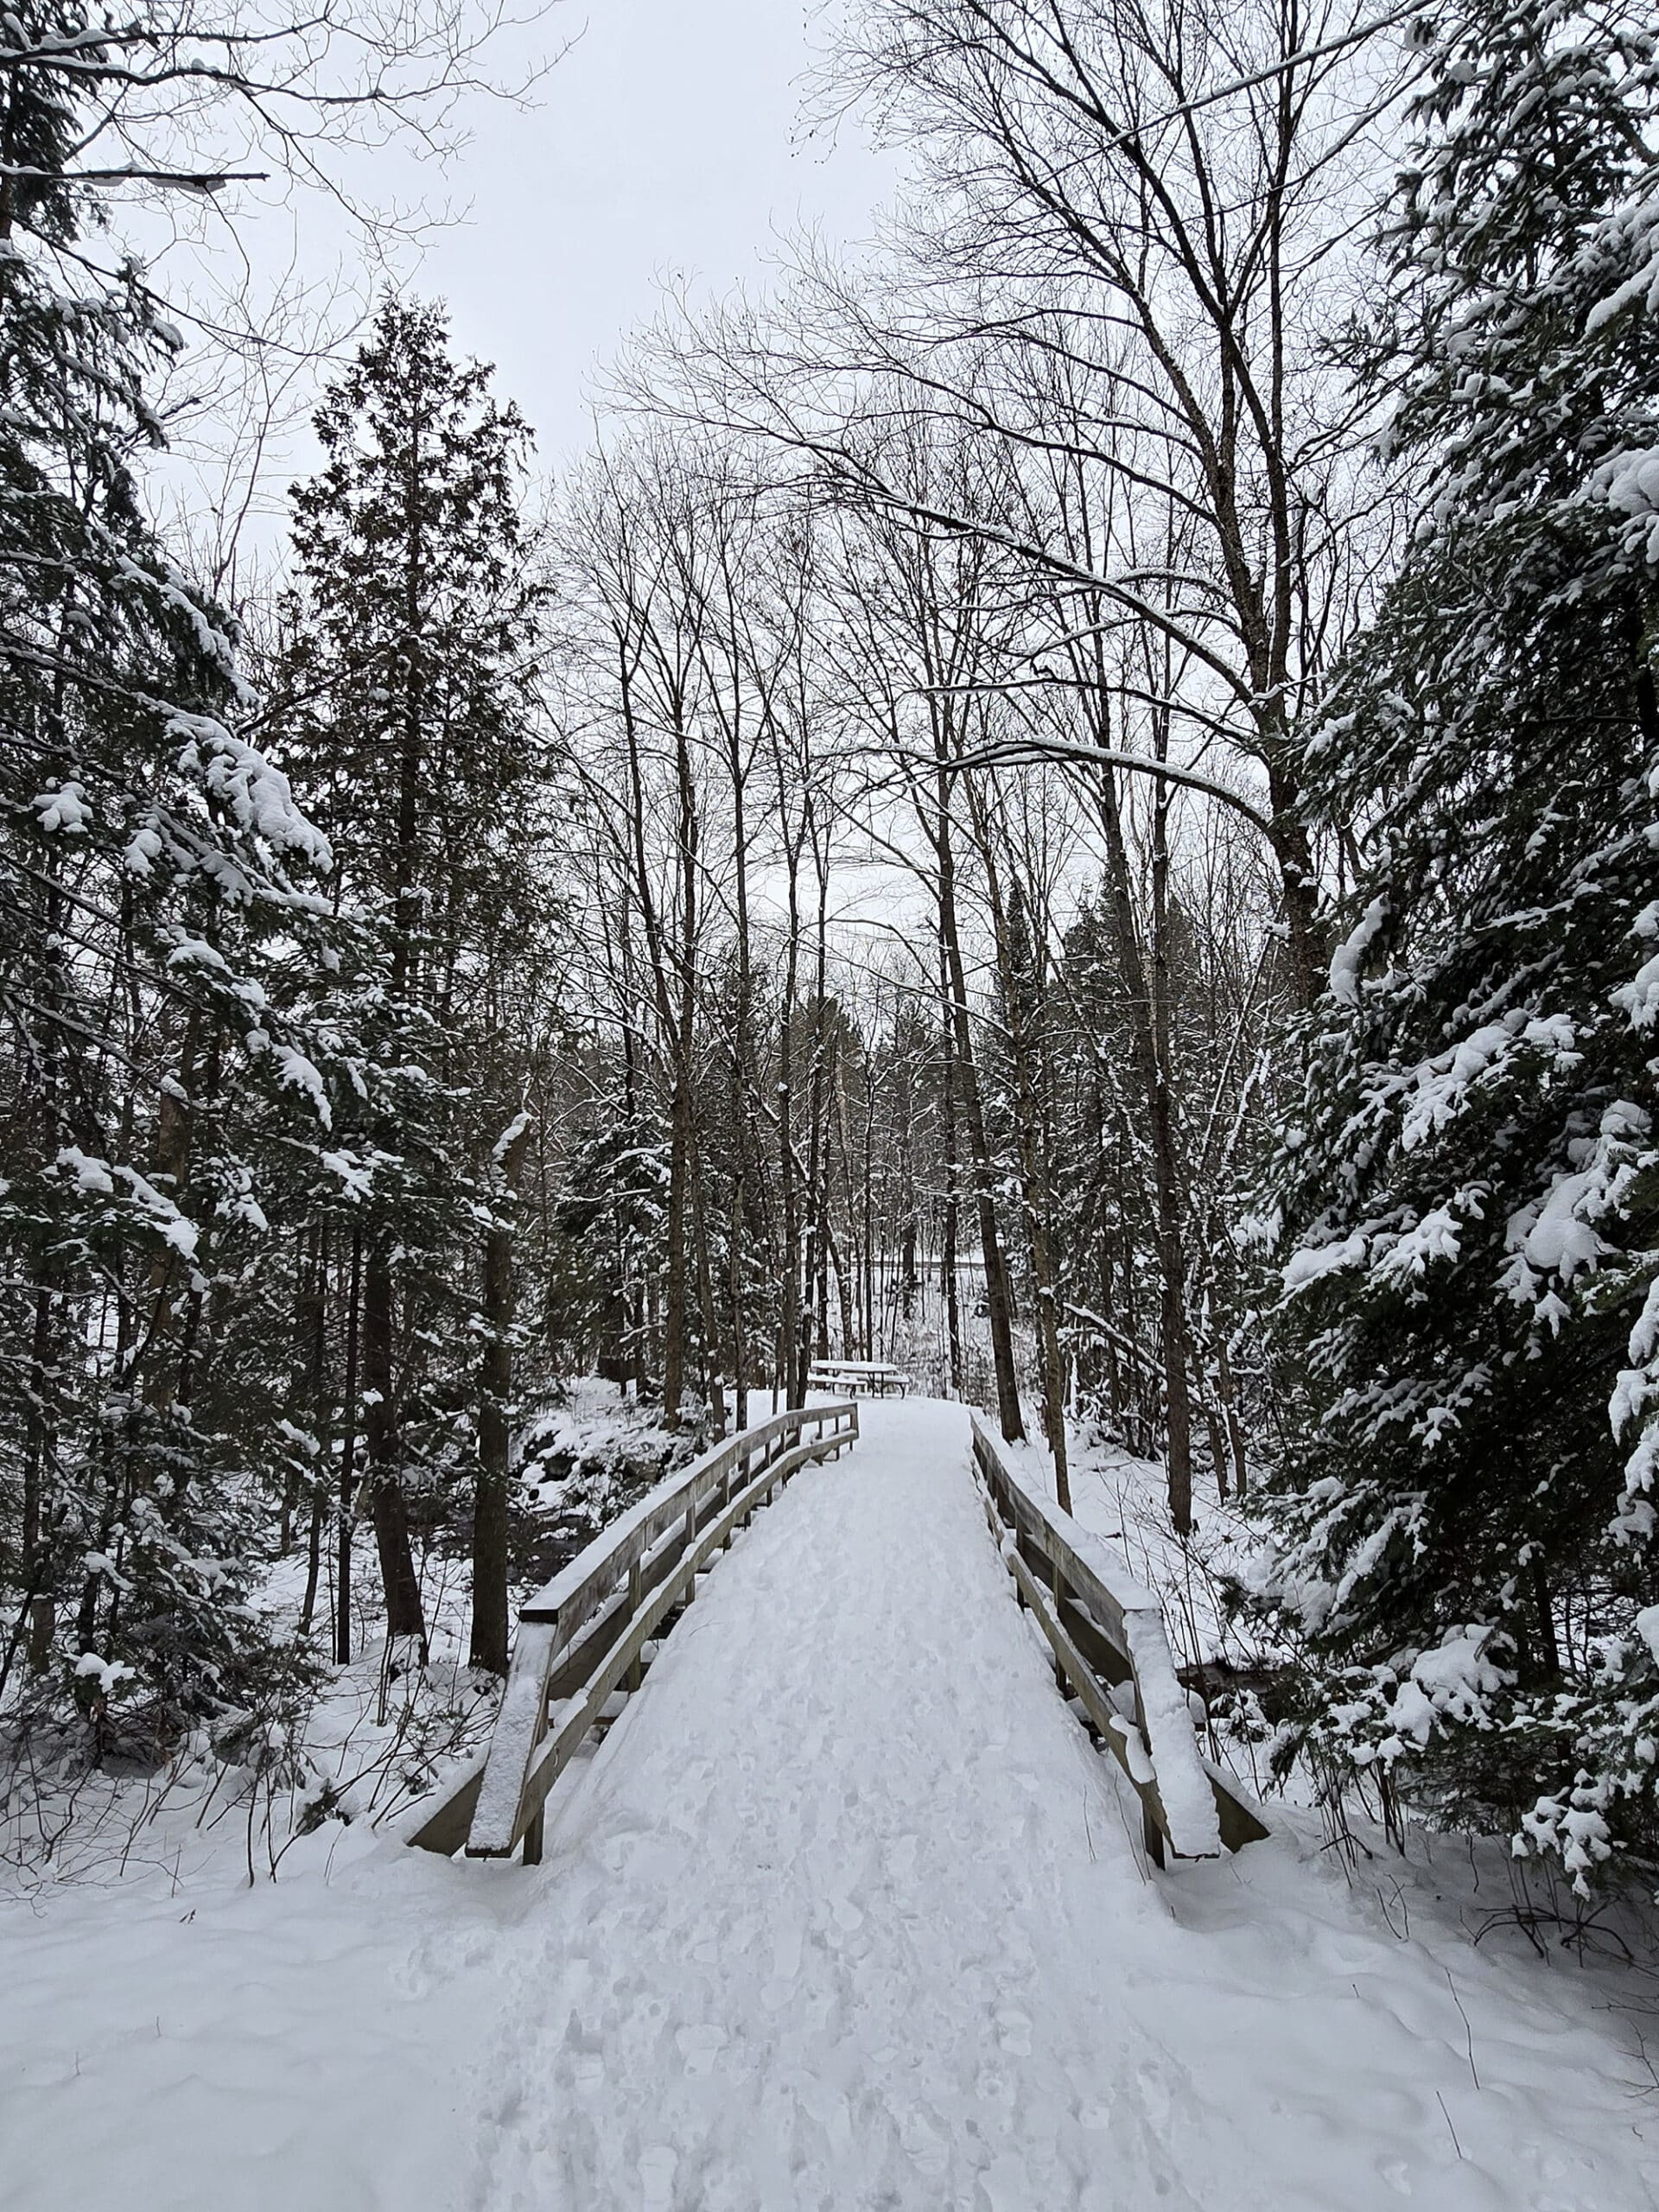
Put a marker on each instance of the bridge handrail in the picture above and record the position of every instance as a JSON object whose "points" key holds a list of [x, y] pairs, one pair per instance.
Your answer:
{"points": [[585, 1633], [1107, 1633]]}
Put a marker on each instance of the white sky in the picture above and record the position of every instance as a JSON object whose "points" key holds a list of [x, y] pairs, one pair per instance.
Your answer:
{"points": [[665, 143]]}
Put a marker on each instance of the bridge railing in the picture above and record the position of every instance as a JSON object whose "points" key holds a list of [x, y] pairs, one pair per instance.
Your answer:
{"points": [[584, 1634], [1111, 1647]]}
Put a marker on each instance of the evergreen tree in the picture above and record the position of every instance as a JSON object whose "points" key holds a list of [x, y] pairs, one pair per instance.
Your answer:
{"points": [[1463, 1526], [413, 626], [609, 1223], [156, 912]]}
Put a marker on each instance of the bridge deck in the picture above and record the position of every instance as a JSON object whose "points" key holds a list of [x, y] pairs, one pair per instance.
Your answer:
{"points": [[847, 1913], [844, 1915], [803, 1922]]}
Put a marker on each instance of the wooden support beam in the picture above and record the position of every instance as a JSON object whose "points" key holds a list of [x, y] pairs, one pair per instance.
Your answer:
{"points": [[445, 1830]]}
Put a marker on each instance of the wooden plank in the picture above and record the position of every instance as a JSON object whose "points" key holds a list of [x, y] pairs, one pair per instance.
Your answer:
{"points": [[445, 1829], [1109, 1659], [1238, 1818], [1091, 1695], [518, 1730], [1086, 1564], [547, 1755], [574, 1661], [636, 1598]]}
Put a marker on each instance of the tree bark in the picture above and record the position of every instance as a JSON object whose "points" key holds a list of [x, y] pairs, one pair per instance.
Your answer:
{"points": [[383, 1431], [1154, 1089], [1034, 1176], [490, 1634], [998, 1302], [347, 1513]]}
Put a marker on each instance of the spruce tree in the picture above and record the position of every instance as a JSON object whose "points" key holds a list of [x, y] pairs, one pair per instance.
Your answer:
{"points": [[1463, 1522]]}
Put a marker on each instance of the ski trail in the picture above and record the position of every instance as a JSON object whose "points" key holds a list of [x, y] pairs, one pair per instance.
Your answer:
{"points": [[847, 1913]]}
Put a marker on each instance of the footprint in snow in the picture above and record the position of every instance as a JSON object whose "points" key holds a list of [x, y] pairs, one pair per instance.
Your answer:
{"points": [[901, 1858], [922, 2144], [656, 2171], [586, 2053], [700, 2046]]}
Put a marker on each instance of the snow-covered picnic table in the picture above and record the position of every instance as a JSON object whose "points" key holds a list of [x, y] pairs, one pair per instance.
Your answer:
{"points": [[876, 1378]]}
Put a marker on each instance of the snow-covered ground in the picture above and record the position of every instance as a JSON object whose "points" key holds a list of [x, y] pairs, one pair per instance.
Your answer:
{"points": [[845, 1912]]}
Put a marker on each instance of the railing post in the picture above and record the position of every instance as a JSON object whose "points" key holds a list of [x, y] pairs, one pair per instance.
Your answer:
{"points": [[1152, 1834], [636, 1598]]}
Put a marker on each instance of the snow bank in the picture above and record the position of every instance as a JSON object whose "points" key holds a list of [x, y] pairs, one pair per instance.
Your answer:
{"points": [[316, 2041]]}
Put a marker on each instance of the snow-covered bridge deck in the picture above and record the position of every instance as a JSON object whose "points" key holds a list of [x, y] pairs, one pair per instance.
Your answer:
{"points": [[845, 1913]]}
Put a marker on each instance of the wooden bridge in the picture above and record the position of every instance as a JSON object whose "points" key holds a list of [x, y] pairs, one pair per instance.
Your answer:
{"points": [[839, 1907], [586, 1639]]}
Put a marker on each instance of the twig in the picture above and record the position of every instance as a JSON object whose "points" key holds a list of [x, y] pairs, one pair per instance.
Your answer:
{"points": [[1456, 2145], [1468, 2032]]}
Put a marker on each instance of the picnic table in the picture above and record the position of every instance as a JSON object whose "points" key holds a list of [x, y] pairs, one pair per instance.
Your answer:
{"points": [[877, 1377]]}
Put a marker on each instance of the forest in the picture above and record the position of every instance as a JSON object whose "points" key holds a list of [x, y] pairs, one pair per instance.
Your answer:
{"points": [[1068, 802]]}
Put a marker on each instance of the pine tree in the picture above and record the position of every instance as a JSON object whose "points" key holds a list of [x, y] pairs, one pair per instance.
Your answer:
{"points": [[1463, 1526]]}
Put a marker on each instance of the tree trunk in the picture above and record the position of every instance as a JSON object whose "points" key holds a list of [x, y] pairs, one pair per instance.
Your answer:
{"points": [[674, 1286], [714, 1391], [348, 1457], [1034, 1177], [490, 1634], [949, 1283], [789, 1320], [38, 1452], [998, 1302], [1154, 1089], [383, 1431]]}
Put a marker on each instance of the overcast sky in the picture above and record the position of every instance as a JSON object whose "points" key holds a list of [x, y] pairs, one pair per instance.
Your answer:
{"points": [[666, 143]]}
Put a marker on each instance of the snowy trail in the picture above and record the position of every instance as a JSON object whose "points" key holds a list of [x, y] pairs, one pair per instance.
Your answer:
{"points": [[845, 1914]]}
